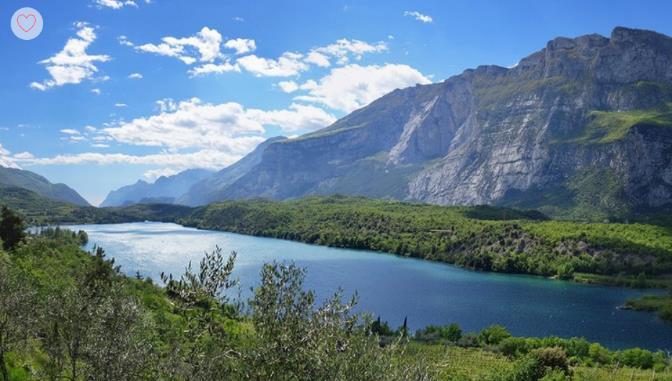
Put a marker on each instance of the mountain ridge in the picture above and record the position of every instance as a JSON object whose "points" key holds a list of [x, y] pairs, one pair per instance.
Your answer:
{"points": [[164, 190], [584, 121], [20, 178]]}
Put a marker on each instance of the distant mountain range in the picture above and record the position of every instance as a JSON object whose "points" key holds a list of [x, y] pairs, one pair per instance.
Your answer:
{"points": [[18, 178], [581, 128], [163, 191]]}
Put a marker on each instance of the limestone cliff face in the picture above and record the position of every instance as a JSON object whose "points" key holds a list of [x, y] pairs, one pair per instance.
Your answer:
{"points": [[584, 121]]}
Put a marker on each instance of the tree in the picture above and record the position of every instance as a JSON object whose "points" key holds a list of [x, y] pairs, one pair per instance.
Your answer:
{"points": [[204, 351], [493, 335], [93, 329], [299, 340], [12, 229], [16, 312]]}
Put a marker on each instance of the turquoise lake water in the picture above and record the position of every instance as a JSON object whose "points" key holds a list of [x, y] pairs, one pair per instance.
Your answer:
{"points": [[394, 287]]}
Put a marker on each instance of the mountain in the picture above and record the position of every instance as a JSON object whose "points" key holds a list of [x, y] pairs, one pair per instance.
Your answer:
{"points": [[18, 178], [164, 190], [581, 128], [210, 189]]}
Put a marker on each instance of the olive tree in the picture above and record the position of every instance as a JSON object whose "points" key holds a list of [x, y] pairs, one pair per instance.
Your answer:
{"points": [[16, 315]]}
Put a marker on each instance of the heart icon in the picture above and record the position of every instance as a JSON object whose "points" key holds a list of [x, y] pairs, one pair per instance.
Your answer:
{"points": [[26, 22]]}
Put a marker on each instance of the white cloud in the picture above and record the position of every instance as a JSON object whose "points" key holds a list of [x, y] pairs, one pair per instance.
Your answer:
{"points": [[154, 174], [115, 4], [135, 76], [166, 105], [210, 159], [120, 105], [6, 160], [239, 19], [289, 64], [297, 118], [90, 128], [204, 46], [342, 50], [419, 16], [351, 87], [211, 68], [72, 135], [73, 64], [288, 86], [227, 127], [100, 145], [96, 91], [317, 58], [241, 45], [123, 40]]}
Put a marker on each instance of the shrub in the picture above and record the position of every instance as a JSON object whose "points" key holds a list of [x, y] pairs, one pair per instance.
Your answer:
{"points": [[493, 335]]}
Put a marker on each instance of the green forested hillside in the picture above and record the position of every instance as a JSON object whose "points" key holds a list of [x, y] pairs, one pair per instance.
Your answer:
{"points": [[14, 177], [39, 210], [483, 238]]}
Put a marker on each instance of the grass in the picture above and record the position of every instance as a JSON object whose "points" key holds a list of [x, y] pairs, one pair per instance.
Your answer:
{"points": [[472, 364], [661, 304], [607, 127]]}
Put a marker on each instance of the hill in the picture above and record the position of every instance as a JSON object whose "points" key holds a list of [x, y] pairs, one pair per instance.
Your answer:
{"points": [[13, 177]]}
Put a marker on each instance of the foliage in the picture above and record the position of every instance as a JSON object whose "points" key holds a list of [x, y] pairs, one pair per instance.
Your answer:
{"points": [[511, 241], [661, 304], [16, 317], [73, 315], [11, 229]]}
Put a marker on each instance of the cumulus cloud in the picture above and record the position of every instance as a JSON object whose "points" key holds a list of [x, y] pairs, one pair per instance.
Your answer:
{"points": [[353, 86], [318, 59], [204, 46], [211, 159], [6, 160], [120, 105], [73, 64], [211, 68], [288, 86], [298, 117], [135, 76], [227, 126], [289, 64], [292, 63], [342, 50], [419, 16], [241, 45], [115, 4]]}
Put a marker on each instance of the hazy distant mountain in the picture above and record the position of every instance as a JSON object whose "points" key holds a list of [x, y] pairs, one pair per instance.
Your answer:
{"points": [[583, 127], [211, 188], [164, 190], [12, 177]]}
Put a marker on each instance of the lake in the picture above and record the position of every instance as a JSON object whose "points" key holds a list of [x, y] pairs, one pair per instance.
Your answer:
{"points": [[394, 287]]}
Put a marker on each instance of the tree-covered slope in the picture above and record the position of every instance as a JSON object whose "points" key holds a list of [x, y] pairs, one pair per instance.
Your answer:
{"points": [[13, 177], [483, 238]]}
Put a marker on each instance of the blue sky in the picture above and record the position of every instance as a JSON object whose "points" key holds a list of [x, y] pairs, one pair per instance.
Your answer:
{"points": [[114, 91]]}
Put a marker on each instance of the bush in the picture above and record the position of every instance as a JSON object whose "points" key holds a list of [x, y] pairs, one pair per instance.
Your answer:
{"points": [[451, 333], [493, 335]]}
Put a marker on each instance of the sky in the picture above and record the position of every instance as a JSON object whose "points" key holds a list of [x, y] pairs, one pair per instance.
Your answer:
{"points": [[113, 91]]}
